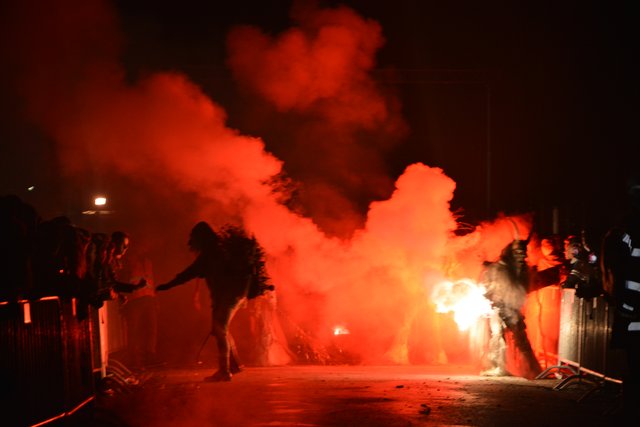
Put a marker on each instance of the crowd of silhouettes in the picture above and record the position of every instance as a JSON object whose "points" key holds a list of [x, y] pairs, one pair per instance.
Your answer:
{"points": [[57, 258]]}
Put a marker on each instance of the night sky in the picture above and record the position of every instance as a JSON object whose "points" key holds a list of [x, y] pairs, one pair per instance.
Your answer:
{"points": [[526, 105]]}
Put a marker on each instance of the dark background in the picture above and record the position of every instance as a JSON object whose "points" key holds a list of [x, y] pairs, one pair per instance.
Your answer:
{"points": [[528, 106]]}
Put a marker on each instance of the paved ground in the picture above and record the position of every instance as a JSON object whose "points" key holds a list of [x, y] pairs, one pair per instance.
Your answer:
{"points": [[355, 396]]}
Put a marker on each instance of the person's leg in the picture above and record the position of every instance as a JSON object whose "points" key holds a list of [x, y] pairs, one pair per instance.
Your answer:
{"points": [[497, 356], [219, 331], [221, 316], [234, 361], [523, 345]]}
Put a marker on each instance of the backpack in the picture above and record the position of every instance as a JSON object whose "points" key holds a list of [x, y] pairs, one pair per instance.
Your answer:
{"points": [[244, 257]]}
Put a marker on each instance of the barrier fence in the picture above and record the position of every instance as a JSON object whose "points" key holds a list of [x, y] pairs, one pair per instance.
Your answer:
{"points": [[584, 350], [51, 350], [48, 359]]}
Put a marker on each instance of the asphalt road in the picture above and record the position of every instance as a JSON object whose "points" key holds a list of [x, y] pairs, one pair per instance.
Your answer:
{"points": [[365, 396]]}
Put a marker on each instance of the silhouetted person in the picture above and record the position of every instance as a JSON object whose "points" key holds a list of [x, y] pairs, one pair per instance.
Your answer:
{"points": [[116, 249], [507, 284], [620, 263], [104, 262], [582, 272], [226, 260], [59, 258], [18, 224], [140, 310]]}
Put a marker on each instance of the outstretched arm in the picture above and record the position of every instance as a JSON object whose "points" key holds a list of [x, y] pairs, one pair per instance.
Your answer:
{"points": [[190, 273]]}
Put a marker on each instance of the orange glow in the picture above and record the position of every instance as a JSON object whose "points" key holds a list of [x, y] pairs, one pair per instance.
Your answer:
{"points": [[340, 330], [464, 298], [197, 168]]}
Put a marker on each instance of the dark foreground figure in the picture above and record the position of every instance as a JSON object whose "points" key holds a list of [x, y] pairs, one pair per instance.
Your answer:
{"points": [[231, 264], [620, 262]]}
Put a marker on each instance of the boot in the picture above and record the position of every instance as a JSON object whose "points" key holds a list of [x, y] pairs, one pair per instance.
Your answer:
{"points": [[219, 376]]}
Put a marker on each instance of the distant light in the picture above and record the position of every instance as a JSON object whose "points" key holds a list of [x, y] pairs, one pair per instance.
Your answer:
{"points": [[31, 188], [100, 201]]}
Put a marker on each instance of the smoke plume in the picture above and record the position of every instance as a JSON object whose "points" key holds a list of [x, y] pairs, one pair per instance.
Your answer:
{"points": [[168, 148], [340, 121]]}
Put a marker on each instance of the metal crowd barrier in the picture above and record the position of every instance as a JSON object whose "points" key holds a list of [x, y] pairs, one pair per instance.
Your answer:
{"points": [[584, 353], [48, 360]]}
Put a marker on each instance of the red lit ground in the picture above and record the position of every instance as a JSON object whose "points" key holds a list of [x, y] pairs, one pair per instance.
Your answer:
{"points": [[356, 396]]}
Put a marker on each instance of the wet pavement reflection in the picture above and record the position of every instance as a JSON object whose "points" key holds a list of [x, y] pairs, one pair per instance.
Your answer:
{"points": [[357, 396]]}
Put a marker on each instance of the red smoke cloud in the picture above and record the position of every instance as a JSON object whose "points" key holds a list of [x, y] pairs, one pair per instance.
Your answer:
{"points": [[162, 134], [341, 120], [321, 65]]}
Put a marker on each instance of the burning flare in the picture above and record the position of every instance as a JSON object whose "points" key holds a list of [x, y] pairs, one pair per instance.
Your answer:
{"points": [[340, 330], [465, 298]]}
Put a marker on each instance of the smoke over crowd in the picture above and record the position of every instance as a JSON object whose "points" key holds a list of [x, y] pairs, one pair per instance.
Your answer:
{"points": [[165, 147]]}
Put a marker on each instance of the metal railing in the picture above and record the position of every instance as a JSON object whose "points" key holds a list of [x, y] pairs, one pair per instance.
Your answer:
{"points": [[584, 352], [47, 359]]}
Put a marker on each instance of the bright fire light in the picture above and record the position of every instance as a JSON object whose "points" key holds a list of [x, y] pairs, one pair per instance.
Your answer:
{"points": [[465, 298], [340, 330], [100, 201]]}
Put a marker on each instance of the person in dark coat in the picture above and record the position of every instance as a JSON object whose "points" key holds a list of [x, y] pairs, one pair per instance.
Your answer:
{"points": [[583, 273], [620, 264], [226, 261], [116, 249]]}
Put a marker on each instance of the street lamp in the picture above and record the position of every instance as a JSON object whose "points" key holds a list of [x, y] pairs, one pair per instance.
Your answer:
{"points": [[99, 205]]}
